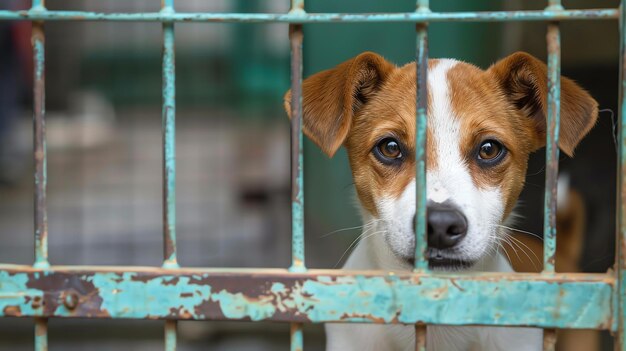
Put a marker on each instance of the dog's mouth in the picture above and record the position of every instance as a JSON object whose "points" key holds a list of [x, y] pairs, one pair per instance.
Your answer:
{"points": [[437, 260]]}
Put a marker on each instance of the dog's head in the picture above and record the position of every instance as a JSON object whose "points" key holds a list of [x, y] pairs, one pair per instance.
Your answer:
{"points": [[482, 126]]}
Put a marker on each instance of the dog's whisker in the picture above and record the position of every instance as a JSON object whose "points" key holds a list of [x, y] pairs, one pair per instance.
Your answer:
{"points": [[519, 231], [354, 242], [524, 249], [372, 222]]}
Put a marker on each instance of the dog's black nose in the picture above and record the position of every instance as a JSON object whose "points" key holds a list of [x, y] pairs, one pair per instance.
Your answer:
{"points": [[446, 226]]}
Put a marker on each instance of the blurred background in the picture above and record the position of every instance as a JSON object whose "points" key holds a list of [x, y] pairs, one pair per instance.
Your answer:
{"points": [[103, 103]]}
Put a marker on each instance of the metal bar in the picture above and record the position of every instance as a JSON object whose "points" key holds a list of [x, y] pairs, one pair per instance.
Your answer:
{"points": [[40, 160], [297, 337], [170, 335], [414, 17], [620, 292], [421, 61], [169, 142], [41, 334], [170, 259], [297, 162], [296, 38], [39, 146], [313, 296], [420, 337], [297, 176], [552, 138], [549, 340]]}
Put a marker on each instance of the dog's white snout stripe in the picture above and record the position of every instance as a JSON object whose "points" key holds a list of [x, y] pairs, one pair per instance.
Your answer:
{"points": [[435, 190]]}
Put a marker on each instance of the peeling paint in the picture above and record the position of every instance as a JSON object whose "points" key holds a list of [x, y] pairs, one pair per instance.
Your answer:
{"points": [[559, 300]]}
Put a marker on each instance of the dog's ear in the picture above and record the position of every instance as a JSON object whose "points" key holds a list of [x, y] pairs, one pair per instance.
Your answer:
{"points": [[524, 80], [331, 98]]}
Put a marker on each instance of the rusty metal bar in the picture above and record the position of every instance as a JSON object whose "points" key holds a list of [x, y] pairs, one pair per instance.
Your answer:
{"points": [[41, 334], [314, 296], [420, 337], [411, 17], [549, 340], [39, 143], [297, 337], [170, 335], [40, 160], [169, 141], [297, 176], [552, 138], [296, 38], [170, 259], [421, 61], [620, 291]]}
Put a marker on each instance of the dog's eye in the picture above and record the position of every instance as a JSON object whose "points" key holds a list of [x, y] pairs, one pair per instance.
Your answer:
{"points": [[490, 151], [388, 151]]}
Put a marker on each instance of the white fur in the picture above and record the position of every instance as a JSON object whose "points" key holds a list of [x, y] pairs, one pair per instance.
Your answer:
{"points": [[391, 236]]}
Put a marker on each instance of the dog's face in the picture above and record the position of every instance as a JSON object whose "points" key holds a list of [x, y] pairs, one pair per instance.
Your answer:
{"points": [[482, 126]]}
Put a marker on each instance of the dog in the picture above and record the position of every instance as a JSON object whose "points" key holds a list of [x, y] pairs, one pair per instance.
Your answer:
{"points": [[482, 127]]}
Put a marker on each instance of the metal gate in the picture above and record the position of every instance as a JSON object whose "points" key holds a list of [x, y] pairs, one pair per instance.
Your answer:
{"points": [[296, 295]]}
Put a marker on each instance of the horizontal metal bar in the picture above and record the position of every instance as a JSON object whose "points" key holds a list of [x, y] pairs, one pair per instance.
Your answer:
{"points": [[555, 301], [301, 17]]}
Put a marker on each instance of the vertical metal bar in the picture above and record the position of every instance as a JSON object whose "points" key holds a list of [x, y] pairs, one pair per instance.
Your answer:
{"points": [[620, 318], [169, 141], [420, 337], [170, 259], [553, 38], [41, 160], [41, 334], [296, 38], [552, 138], [39, 141], [170, 335], [549, 340], [297, 337], [421, 262], [297, 177]]}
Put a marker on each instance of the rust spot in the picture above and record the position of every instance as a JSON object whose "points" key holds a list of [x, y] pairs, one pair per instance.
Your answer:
{"points": [[186, 295], [172, 281], [13, 311], [70, 299]]}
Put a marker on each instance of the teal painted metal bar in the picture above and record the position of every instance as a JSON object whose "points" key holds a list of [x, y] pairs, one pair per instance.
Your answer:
{"points": [[170, 259], [297, 337], [552, 138], [495, 16], [41, 334], [169, 143], [620, 291], [296, 37], [38, 40], [297, 163], [421, 61], [316, 296]]}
